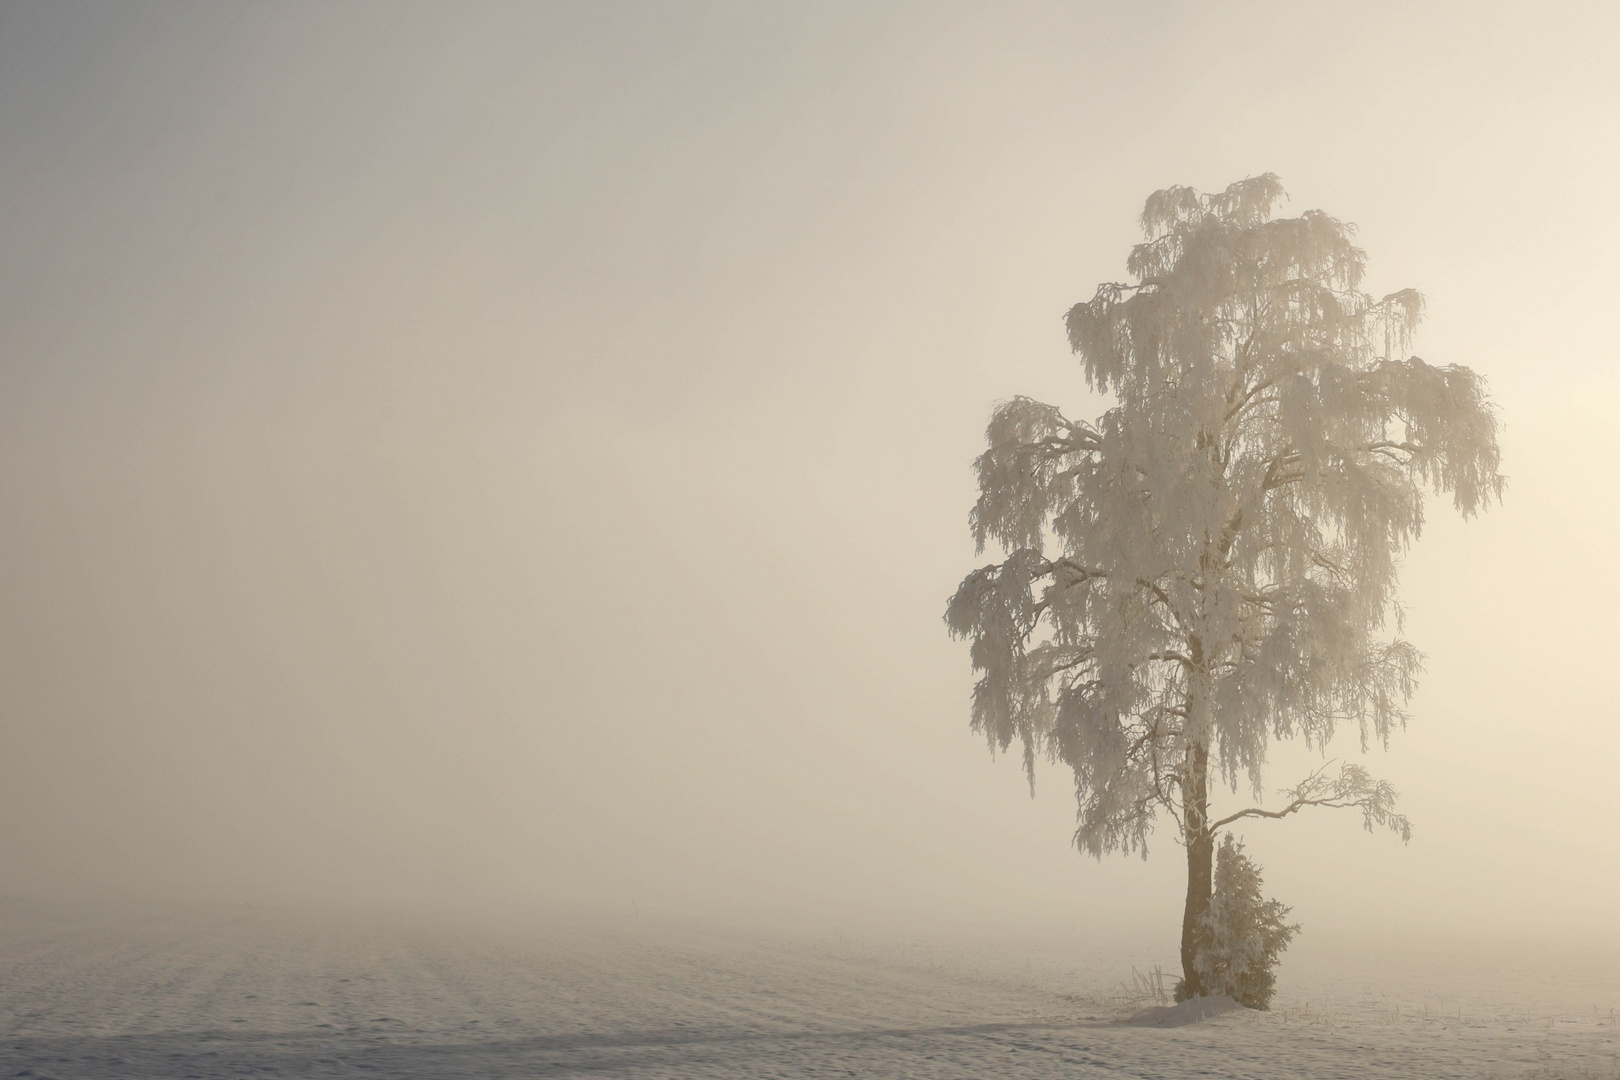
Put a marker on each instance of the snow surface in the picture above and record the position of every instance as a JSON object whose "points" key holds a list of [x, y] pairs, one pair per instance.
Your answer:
{"points": [[243, 992], [1192, 1011]]}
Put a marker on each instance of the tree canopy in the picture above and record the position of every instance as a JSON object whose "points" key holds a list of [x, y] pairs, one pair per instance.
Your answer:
{"points": [[1212, 563]]}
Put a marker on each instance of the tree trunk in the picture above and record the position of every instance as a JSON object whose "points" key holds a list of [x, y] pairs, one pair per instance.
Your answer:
{"points": [[1200, 863]]}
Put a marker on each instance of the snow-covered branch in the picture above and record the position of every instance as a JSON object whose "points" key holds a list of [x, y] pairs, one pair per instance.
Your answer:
{"points": [[1354, 786]]}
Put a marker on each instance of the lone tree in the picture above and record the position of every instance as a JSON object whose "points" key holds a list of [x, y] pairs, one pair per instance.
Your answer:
{"points": [[1213, 562]]}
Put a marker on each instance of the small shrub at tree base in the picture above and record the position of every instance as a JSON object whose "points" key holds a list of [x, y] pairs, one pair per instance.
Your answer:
{"points": [[1241, 934]]}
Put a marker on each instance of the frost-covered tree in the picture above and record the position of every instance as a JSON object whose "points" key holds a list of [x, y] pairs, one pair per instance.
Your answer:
{"points": [[1212, 564], [1240, 935]]}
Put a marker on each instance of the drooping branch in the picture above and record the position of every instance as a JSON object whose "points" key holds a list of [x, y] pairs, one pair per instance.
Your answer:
{"points": [[1354, 786]]}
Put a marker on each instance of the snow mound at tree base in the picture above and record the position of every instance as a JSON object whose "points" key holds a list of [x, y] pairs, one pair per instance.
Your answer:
{"points": [[1190, 1011]]}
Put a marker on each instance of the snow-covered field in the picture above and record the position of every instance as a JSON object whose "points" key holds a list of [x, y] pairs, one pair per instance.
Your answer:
{"points": [[243, 992]]}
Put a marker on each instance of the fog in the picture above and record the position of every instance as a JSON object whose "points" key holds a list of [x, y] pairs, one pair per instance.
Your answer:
{"points": [[516, 456]]}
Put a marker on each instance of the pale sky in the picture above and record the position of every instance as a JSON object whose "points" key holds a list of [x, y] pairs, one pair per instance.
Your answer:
{"points": [[519, 454]]}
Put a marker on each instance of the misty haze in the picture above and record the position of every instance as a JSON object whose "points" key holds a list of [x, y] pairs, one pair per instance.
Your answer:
{"points": [[737, 540]]}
